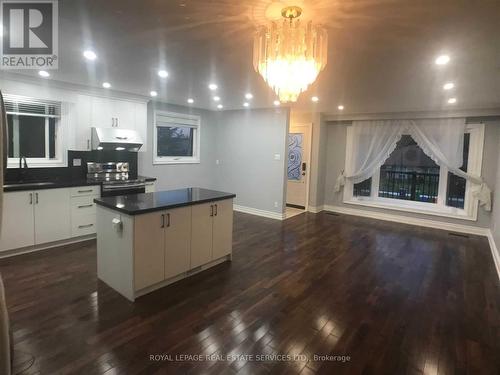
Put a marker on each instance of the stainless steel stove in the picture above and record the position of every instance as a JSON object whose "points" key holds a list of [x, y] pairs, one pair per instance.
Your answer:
{"points": [[114, 178]]}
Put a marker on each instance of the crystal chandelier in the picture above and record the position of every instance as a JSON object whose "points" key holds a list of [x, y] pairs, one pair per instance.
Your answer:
{"points": [[290, 55]]}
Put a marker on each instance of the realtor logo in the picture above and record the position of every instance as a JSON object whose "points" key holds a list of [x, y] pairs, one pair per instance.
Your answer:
{"points": [[29, 34]]}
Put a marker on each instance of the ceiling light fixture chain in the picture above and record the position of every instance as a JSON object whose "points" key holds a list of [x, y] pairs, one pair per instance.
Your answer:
{"points": [[290, 55]]}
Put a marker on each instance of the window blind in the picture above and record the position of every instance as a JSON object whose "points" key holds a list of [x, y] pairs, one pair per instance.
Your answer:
{"points": [[21, 105]]}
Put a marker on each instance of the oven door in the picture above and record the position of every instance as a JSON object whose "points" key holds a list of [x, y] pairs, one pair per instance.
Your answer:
{"points": [[122, 189]]}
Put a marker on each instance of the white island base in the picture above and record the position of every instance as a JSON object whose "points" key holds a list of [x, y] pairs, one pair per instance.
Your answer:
{"points": [[137, 254]]}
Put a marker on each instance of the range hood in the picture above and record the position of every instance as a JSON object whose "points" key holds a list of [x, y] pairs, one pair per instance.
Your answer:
{"points": [[116, 139]]}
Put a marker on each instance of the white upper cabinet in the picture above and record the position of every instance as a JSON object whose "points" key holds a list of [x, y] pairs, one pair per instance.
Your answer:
{"points": [[93, 111], [113, 113], [81, 118]]}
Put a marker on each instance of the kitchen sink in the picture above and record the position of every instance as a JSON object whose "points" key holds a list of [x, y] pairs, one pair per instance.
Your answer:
{"points": [[29, 184]]}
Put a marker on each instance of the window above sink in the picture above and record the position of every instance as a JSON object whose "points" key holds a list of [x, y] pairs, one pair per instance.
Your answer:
{"points": [[35, 131]]}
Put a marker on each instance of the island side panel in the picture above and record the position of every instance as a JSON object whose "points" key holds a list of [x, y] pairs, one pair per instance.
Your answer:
{"points": [[115, 251]]}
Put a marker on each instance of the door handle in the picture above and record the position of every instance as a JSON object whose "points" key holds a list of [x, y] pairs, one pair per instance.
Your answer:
{"points": [[36, 198], [216, 210], [86, 226], [85, 206], [162, 221]]}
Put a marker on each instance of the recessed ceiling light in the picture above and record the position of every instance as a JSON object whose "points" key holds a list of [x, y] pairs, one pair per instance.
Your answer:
{"points": [[89, 55], [153, 93], [106, 85], [216, 98], [212, 86], [119, 148], [442, 60], [163, 73], [277, 103], [315, 99], [452, 100], [448, 86], [190, 101], [43, 73], [340, 107], [220, 106], [248, 96], [245, 104]]}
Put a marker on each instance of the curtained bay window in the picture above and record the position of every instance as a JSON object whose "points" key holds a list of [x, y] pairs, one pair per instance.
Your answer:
{"points": [[410, 180]]}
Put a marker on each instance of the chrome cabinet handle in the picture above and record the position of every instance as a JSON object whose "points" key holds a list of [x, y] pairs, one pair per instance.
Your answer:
{"points": [[31, 198], [162, 221], [88, 144], [86, 226], [168, 220], [85, 205], [85, 191], [216, 210], [36, 198], [211, 210]]}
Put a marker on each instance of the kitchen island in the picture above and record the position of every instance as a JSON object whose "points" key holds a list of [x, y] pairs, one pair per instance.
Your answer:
{"points": [[147, 241]]}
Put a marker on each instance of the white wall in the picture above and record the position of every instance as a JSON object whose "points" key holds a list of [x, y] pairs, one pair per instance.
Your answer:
{"points": [[246, 144], [175, 176], [335, 162]]}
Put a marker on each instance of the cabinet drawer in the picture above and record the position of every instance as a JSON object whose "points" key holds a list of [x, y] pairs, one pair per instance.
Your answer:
{"points": [[83, 225], [80, 191], [83, 206]]}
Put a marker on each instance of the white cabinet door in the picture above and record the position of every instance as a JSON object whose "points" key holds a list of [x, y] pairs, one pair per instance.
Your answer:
{"points": [[17, 221], [83, 122], [177, 241], [149, 249], [102, 112], [124, 114], [201, 234], [52, 215]]}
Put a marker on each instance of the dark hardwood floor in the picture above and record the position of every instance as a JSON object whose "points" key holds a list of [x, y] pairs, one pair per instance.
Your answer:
{"points": [[390, 298]]}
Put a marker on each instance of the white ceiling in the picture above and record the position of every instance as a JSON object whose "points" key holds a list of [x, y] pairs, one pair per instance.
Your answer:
{"points": [[381, 52]]}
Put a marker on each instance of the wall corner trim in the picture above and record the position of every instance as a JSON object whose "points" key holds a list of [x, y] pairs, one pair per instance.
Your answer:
{"points": [[315, 209], [494, 251], [257, 212]]}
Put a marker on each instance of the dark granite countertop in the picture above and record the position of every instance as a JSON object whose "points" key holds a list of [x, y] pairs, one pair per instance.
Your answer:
{"points": [[54, 184], [135, 204], [39, 185]]}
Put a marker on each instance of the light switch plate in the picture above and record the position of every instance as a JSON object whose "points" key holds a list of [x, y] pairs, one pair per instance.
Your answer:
{"points": [[277, 157], [77, 162]]}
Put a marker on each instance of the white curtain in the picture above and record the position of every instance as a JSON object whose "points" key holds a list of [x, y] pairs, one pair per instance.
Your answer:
{"points": [[441, 139]]}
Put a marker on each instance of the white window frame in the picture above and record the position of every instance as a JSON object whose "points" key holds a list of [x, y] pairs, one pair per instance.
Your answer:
{"points": [[61, 149], [471, 205], [169, 119]]}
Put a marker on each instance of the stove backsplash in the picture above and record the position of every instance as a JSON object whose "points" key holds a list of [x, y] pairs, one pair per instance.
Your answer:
{"points": [[73, 172]]}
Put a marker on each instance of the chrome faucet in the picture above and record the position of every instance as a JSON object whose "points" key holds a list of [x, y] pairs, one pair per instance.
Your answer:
{"points": [[21, 159]]}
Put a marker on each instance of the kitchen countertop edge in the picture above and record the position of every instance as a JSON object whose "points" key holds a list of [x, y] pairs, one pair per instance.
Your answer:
{"points": [[139, 211]]}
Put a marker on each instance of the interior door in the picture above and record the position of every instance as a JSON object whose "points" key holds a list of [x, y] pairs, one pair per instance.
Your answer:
{"points": [[149, 249], [201, 240], [299, 149], [223, 228], [52, 215], [177, 241], [18, 227]]}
